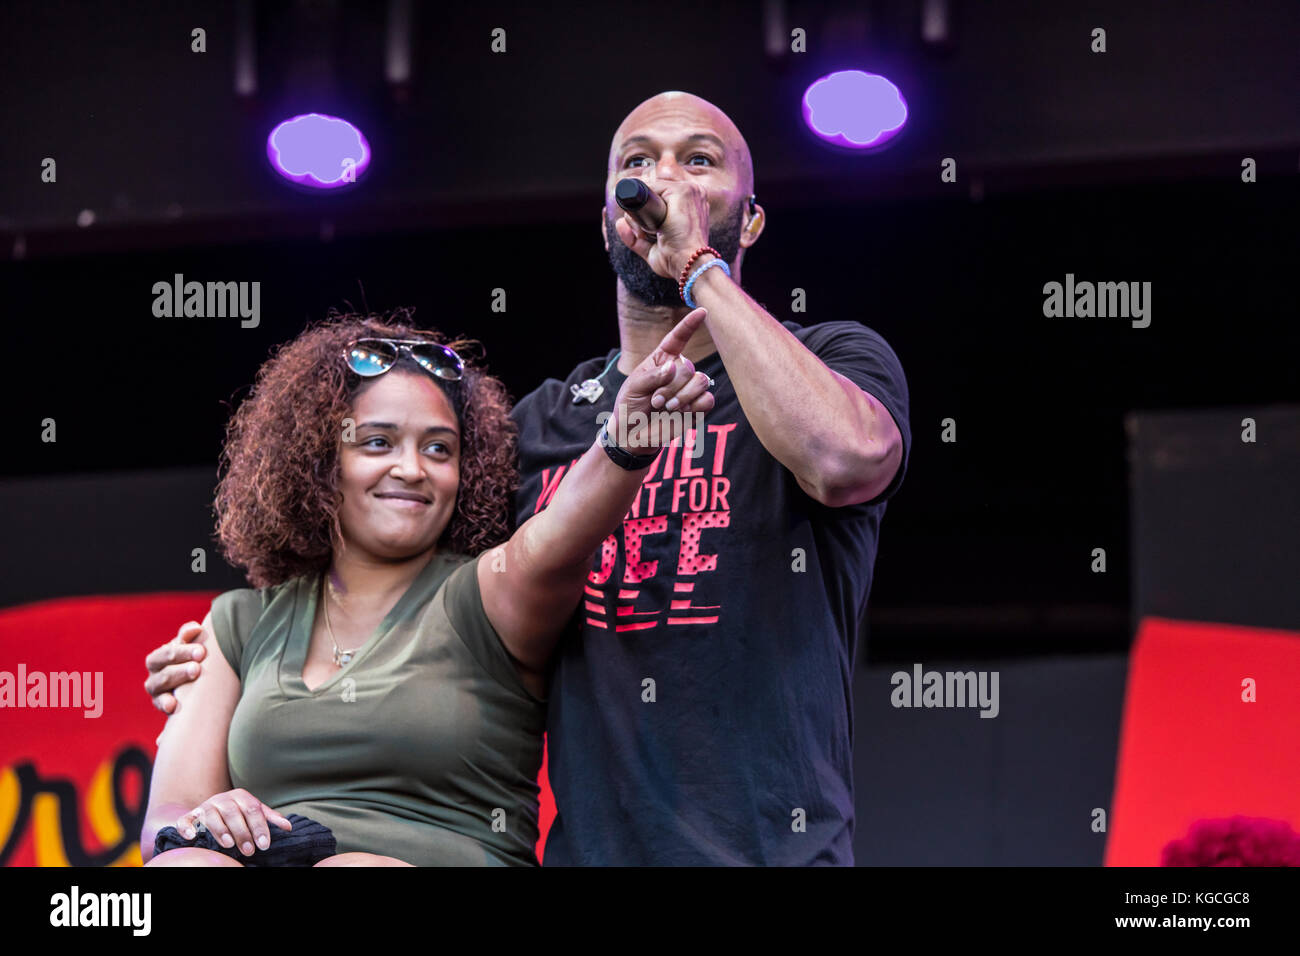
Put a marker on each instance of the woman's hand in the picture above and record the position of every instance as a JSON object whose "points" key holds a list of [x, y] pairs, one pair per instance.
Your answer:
{"points": [[651, 409], [236, 818]]}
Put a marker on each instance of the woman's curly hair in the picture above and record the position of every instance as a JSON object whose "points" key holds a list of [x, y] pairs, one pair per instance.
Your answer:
{"points": [[278, 498]]}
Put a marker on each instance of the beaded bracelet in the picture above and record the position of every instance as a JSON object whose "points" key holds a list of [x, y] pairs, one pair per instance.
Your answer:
{"points": [[686, 269], [686, 293]]}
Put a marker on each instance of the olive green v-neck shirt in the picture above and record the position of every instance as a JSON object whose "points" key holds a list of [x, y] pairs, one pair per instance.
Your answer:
{"points": [[424, 747]]}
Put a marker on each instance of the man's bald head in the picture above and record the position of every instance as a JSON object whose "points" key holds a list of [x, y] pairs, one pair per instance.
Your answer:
{"points": [[670, 116], [686, 127]]}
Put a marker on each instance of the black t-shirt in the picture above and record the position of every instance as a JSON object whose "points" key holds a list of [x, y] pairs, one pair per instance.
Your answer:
{"points": [[700, 710]]}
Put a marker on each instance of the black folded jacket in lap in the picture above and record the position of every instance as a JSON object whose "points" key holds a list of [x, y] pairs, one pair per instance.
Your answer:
{"points": [[306, 844]]}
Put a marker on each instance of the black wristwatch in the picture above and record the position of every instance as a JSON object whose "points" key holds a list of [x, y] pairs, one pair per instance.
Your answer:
{"points": [[620, 457]]}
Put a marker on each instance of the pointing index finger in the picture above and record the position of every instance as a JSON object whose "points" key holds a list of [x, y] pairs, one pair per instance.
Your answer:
{"points": [[675, 341]]}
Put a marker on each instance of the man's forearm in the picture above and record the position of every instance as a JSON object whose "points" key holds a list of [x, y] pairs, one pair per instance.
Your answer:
{"points": [[838, 441]]}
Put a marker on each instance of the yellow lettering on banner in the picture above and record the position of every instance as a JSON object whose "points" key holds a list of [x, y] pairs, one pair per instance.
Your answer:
{"points": [[44, 822], [46, 838], [103, 817], [10, 801]]}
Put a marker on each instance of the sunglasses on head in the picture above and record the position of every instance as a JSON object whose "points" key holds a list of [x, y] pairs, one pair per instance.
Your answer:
{"points": [[371, 357]]}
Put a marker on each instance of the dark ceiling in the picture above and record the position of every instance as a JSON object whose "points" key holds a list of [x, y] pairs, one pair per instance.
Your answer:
{"points": [[154, 141]]}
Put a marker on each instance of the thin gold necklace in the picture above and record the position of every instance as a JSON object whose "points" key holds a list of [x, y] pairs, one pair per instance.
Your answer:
{"points": [[340, 657]]}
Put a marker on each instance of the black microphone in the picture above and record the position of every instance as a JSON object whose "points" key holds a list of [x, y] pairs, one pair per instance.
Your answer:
{"points": [[642, 203]]}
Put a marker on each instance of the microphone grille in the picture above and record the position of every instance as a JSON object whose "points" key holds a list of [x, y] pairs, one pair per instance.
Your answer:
{"points": [[631, 193]]}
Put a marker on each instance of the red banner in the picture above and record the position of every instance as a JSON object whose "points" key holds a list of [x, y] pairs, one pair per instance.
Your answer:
{"points": [[1211, 730]]}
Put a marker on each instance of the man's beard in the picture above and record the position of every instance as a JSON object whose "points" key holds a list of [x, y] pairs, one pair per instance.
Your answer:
{"points": [[650, 287]]}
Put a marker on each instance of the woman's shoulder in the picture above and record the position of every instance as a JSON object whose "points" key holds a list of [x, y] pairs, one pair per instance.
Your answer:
{"points": [[236, 612], [445, 571], [452, 584], [448, 573]]}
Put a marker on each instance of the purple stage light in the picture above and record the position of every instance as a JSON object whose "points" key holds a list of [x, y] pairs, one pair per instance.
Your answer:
{"points": [[323, 152], [854, 109]]}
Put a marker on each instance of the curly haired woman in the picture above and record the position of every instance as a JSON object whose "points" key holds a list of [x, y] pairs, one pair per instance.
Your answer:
{"points": [[384, 679]]}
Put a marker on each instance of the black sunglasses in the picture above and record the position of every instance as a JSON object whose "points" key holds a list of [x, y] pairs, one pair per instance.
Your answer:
{"points": [[371, 357]]}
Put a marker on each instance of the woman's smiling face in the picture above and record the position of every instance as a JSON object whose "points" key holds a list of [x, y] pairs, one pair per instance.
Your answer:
{"points": [[400, 476]]}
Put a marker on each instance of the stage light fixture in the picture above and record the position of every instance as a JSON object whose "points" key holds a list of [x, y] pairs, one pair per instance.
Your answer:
{"points": [[854, 109], [318, 151]]}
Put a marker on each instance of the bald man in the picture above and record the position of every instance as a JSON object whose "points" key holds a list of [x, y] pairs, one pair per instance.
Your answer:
{"points": [[701, 711]]}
